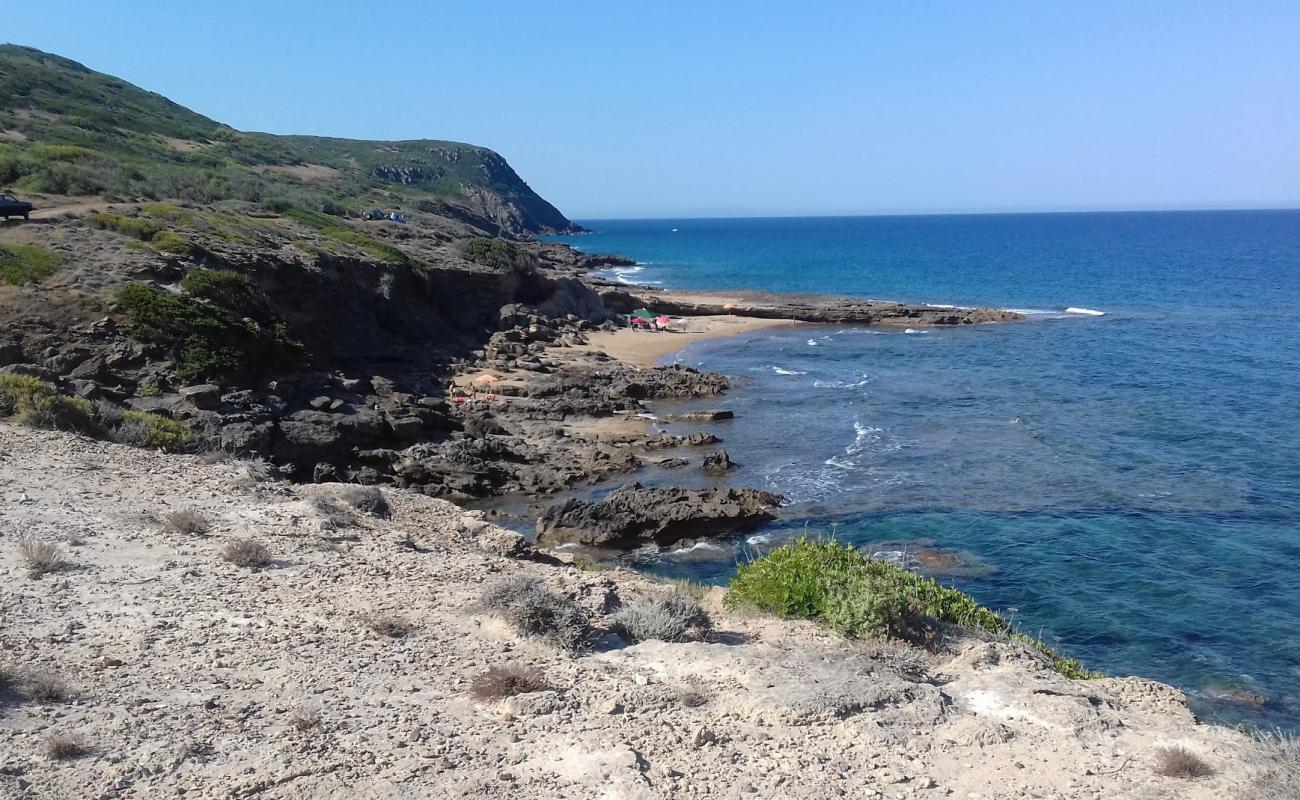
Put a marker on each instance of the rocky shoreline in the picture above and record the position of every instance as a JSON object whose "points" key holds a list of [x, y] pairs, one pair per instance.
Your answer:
{"points": [[356, 658]]}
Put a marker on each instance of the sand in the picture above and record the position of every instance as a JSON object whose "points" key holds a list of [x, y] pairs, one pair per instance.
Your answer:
{"points": [[647, 348]]}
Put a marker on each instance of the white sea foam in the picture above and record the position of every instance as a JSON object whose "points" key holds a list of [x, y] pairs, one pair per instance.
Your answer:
{"points": [[861, 380], [913, 330], [703, 545], [812, 342], [759, 539], [1087, 312], [780, 371], [946, 305]]}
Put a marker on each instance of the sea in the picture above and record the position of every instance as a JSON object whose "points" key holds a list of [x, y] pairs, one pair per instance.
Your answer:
{"points": [[1120, 474]]}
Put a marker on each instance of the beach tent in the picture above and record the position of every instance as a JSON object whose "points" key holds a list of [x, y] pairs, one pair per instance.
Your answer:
{"points": [[643, 314]]}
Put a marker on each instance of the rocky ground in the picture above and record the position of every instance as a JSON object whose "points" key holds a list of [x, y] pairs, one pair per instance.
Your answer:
{"points": [[147, 666]]}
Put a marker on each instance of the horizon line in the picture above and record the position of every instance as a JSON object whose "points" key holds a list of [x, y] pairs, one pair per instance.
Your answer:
{"points": [[855, 215]]}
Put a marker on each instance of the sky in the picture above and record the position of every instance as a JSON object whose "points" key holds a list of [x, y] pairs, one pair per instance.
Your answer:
{"points": [[677, 109]]}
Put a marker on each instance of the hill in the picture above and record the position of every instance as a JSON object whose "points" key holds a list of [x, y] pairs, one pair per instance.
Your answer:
{"points": [[68, 130]]}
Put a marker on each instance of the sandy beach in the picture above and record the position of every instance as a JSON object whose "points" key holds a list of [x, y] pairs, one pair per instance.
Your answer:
{"points": [[647, 348]]}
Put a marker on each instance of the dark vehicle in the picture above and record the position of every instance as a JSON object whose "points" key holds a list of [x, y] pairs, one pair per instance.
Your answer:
{"points": [[11, 206]]}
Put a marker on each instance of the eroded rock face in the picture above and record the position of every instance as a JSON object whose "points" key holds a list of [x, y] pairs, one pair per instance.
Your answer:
{"points": [[634, 515]]}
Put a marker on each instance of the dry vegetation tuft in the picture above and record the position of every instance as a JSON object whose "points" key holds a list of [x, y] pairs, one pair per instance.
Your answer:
{"points": [[692, 698], [1179, 762], [305, 718], [534, 610], [44, 687], [674, 618], [366, 499], [392, 626], [507, 681], [187, 522], [65, 748], [40, 557], [246, 553]]}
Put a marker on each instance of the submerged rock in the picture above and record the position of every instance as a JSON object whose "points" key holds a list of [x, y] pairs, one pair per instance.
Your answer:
{"points": [[635, 515]]}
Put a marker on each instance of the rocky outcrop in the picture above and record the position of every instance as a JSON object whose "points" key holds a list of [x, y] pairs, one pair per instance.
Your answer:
{"points": [[801, 307], [717, 462], [634, 515]]}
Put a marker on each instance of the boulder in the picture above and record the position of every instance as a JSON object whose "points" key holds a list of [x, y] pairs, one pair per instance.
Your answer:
{"points": [[634, 515], [705, 415], [717, 462], [203, 395]]}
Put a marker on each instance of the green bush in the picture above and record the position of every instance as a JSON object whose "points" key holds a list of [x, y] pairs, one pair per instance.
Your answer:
{"points": [[221, 286], [208, 342], [19, 391], [172, 243], [21, 263], [35, 403], [152, 430], [495, 253], [860, 597]]}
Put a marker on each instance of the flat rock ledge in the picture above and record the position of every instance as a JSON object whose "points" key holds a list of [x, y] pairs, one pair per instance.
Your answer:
{"points": [[634, 515]]}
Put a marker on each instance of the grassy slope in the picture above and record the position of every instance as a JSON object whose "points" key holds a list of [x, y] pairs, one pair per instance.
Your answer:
{"points": [[66, 129]]}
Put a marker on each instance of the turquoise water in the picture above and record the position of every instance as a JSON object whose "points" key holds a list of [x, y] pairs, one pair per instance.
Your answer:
{"points": [[1128, 484]]}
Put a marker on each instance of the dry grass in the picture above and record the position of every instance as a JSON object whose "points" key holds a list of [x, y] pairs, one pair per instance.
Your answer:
{"points": [[366, 499], [44, 687], [1275, 767], [248, 553], [65, 748], [305, 718], [692, 698], [507, 681], [1179, 762], [187, 522], [391, 626], [40, 557]]}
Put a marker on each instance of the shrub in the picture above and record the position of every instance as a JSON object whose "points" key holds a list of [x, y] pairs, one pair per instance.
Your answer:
{"points": [[366, 499], [59, 747], [21, 264], [246, 553], [331, 227], [40, 557], [674, 618], [19, 391], [142, 429], [494, 253], [391, 626], [172, 243], [1275, 766], [1179, 762], [45, 687], [207, 341], [536, 611], [56, 412], [507, 681], [221, 286], [858, 596], [188, 522]]}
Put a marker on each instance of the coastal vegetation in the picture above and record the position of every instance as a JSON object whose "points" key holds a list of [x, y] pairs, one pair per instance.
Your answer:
{"points": [[860, 597], [33, 402], [74, 131], [213, 338], [22, 264]]}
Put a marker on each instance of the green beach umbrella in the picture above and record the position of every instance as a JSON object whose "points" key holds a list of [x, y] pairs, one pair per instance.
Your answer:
{"points": [[643, 313]]}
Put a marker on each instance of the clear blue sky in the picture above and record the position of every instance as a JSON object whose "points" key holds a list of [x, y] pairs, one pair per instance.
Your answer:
{"points": [[614, 109]]}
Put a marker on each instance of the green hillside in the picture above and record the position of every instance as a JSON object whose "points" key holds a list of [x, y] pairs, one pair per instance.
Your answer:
{"points": [[66, 129]]}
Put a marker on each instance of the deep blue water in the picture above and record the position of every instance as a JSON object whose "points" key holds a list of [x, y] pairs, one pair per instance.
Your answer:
{"points": [[1130, 482]]}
